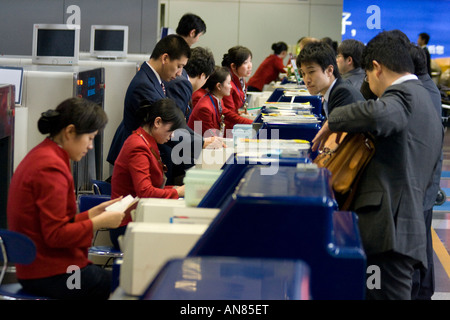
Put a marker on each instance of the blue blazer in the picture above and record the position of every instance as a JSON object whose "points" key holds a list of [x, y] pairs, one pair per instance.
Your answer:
{"points": [[143, 89]]}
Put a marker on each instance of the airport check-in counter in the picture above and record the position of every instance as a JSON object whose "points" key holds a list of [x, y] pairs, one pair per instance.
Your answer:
{"points": [[162, 229], [291, 215], [227, 278], [240, 162], [296, 96], [289, 128]]}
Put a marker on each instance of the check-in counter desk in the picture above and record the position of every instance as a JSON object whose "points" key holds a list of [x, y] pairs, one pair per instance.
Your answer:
{"points": [[234, 170], [227, 278], [284, 128], [291, 215], [162, 229]]}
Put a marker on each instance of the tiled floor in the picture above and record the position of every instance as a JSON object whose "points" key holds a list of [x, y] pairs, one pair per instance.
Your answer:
{"points": [[441, 231]]}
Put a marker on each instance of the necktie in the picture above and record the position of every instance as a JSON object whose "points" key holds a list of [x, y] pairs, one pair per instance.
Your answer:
{"points": [[163, 88]]}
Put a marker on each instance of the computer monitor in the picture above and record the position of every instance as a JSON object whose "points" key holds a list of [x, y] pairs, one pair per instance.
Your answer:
{"points": [[56, 44], [109, 41], [14, 76]]}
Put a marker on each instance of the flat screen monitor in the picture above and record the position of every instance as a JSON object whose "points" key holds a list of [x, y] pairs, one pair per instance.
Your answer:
{"points": [[14, 76], [56, 44], [109, 41]]}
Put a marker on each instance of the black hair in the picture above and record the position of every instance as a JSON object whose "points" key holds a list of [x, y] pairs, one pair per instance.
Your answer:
{"points": [[279, 47], [236, 55], [425, 37], [174, 45], [320, 53], [401, 36], [219, 75], [386, 49], [333, 44], [352, 48], [166, 109], [189, 22], [201, 61], [85, 115], [419, 59]]}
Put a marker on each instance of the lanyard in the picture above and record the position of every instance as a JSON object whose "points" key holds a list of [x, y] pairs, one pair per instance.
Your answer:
{"points": [[161, 164], [216, 109], [239, 91], [219, 119]]}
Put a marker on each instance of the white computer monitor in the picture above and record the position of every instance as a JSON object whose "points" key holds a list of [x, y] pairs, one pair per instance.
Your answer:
{"points": [[109, 41], [57, 44], [14, 76]]}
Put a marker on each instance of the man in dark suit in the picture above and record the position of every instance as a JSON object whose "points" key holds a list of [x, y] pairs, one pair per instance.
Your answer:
{"points": [[199, 67], [191, 27], [348, 60], [317, 63], [166, 62], [423, 280], [408, 136], [422, 41]]}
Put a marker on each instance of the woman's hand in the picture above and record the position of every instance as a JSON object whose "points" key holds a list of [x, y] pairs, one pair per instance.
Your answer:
{"points": [[213, 143], [180, 191], [95, 211], [107, 220]]}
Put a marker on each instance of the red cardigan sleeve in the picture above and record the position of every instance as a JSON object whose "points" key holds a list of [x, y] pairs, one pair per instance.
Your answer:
{"points": [[143, 166], [230, 109], [55, 215]]}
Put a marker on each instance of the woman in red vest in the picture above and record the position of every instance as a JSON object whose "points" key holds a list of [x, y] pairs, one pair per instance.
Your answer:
{"points": [[139, 169], [42, 206], [239, 60], [270, 68], [209, 109]]}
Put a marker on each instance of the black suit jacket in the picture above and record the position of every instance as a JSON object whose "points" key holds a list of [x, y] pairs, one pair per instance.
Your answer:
{"points": [[343, 93], [143, 89], [427, 53], [408, 142]]}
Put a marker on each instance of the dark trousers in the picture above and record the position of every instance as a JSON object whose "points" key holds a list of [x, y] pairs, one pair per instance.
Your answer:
{"points": [[396, 271], [95, 284], [423, 279], [114, 235]]}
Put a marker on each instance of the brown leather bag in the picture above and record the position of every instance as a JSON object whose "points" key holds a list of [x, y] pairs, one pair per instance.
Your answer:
{"points": [[345, 160]]}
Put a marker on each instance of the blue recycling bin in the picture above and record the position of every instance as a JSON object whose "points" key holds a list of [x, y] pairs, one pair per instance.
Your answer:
{"points": [[228, 278], [291, 215]]}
